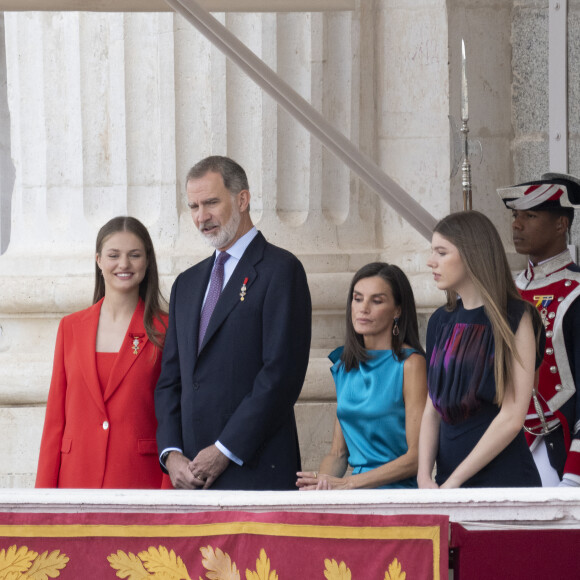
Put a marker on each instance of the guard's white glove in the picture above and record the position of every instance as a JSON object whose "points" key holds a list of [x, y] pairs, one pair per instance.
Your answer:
{"points": [[568, 481]]}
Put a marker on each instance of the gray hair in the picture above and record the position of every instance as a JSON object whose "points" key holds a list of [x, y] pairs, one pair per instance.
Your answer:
{"points": [[233, 175]]}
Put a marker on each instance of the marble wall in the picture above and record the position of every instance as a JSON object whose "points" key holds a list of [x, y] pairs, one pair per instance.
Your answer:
{"points": [[107, 112]]}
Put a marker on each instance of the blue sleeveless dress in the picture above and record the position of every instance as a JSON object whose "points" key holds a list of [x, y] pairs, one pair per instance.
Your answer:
{"points": [[371, 411]]}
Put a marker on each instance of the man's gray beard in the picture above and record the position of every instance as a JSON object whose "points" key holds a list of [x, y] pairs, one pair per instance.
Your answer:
{"points": [[226, 233]]}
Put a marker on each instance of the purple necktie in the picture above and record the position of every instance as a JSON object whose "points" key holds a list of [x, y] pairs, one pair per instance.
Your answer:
{"points": [[215, 287]]}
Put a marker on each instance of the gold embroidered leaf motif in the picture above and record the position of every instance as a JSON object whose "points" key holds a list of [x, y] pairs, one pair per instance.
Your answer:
{"points": [[335, 571], [15, 560], [128, 566], [47, 565], [262, 569], [163, 563], [218, 564], [395, 571]]}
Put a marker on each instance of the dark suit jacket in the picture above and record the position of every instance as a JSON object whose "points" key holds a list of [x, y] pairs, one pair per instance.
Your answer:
{"points": [[241, 387], [93, 439]]}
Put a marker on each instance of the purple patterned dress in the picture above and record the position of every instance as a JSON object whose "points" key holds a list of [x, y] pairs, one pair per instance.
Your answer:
{"points": [[460, 355]]}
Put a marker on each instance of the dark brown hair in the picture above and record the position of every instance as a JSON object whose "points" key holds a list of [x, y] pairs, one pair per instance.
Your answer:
{"points": [[354, 349], [149, 290]]}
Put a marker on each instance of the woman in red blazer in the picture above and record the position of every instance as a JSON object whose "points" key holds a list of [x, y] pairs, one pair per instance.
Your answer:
{"points": [[99, 429]]}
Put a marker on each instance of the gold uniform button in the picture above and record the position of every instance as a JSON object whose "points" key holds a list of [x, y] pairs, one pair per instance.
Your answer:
{"points": [[568, 283], [558, 387], [549, 334], [549, 351], [105, 425], [554, 369]]}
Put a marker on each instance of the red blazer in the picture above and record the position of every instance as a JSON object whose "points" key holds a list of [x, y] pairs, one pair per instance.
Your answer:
{"points": [[96, 440]]}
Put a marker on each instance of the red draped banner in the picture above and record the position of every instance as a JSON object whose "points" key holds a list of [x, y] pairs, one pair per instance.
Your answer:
{"points": [[223, 546], [516, 553]]}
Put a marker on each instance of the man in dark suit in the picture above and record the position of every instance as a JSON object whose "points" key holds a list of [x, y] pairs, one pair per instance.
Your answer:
{"points": [[236, 350]]}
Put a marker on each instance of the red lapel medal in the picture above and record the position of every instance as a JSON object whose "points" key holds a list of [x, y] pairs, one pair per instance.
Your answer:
{"points": [[243, 290]]}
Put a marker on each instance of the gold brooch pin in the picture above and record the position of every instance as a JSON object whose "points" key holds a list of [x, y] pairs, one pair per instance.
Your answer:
{"points": [[136, 343]]}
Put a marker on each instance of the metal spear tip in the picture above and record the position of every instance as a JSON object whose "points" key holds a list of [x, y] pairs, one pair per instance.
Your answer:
{"points": [[464, 97]]}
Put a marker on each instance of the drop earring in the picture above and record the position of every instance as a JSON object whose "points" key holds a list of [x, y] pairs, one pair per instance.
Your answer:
{"points": [[396, 326]]}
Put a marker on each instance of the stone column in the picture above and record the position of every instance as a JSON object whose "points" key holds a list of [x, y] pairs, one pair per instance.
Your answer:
{"points": [[6, 166], [419, 76], [92, 114], [108, 112], [413, 131], [530, 107]]}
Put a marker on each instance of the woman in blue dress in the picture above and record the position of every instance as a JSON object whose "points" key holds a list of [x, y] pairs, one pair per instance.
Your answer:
{"points": [[482, 354], [381, 388]]}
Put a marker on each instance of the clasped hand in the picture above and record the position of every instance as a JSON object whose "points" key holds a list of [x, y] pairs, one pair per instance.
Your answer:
{"points": [[200, 473]]}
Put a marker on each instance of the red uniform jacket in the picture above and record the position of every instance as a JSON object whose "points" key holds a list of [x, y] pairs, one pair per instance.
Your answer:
{"points": [[96, 440], [554, 287]]}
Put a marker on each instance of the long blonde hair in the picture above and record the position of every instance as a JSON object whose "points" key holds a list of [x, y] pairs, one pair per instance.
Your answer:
{"points": [[482, 253]]}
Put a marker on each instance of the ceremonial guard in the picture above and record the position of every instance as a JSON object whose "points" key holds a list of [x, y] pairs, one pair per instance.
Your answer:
{"points": [[542, 216]]}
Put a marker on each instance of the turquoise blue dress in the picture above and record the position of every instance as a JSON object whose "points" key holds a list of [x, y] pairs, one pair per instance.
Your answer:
{"points": [[371, 411]]}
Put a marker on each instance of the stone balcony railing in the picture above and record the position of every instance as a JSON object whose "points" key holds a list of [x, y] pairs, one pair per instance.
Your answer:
{"points": [[525, 508]]}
